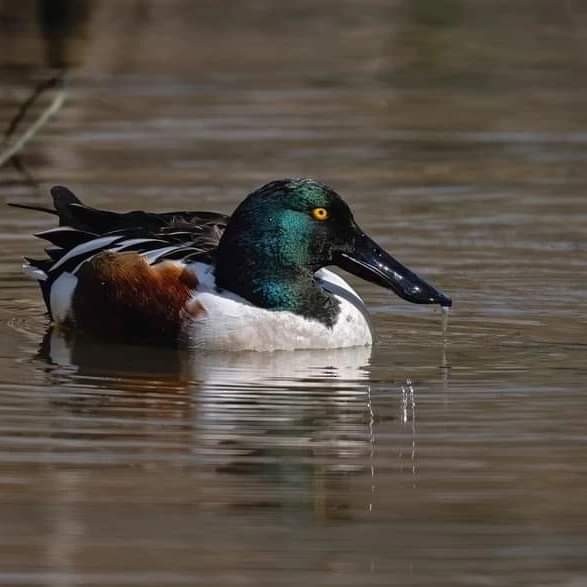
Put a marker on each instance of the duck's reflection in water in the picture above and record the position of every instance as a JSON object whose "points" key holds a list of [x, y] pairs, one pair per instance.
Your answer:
{"points": [[312, 406], [251, 413], [149, 434]]}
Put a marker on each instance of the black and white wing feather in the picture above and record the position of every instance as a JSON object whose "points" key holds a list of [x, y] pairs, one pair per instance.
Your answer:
{"points": [[84, 232]]}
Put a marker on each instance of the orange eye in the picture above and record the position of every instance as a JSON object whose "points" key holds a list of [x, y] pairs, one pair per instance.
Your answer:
{"points": [[320, 214]]}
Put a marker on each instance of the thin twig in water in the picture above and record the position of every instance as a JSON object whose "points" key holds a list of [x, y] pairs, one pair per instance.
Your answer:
{"points": [[13, 148]]}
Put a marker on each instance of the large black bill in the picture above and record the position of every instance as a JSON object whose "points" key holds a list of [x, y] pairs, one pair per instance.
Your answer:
{"points": [[370, 262]]}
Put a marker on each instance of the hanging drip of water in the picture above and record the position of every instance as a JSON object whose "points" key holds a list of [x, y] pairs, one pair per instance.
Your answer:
{"points": [[443, 359], [413, 452], [444, 332], [444, 323]]}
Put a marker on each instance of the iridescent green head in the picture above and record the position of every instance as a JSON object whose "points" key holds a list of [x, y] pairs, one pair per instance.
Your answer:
{"points": [[284, 232], [287, 225]]}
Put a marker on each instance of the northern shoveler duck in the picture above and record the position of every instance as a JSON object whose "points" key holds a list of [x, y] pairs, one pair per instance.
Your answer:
{"points": [[253, 281]]}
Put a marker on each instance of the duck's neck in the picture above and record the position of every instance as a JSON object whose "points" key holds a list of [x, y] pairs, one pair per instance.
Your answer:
{"points": [[285, 288]]}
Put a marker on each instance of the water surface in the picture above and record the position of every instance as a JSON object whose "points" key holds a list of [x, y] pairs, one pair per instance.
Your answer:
{"points": [[457, 132]]}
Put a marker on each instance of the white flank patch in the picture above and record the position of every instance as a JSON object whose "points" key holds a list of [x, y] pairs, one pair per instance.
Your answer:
{"points": [[93, 245], [34, 272], [230, 323], [60, 297]]}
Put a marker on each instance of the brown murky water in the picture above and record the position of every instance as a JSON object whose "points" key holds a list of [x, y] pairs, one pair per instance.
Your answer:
{"points": [[457, 130]]}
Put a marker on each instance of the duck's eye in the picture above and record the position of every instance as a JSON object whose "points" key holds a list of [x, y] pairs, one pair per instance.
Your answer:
{"points": [[320, 214]]}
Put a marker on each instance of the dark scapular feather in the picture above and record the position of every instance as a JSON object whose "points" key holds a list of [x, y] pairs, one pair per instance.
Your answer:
{"points": [[194, 235]]}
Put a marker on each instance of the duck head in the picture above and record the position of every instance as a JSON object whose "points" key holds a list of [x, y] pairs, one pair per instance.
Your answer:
{"points": [[283, 232]]}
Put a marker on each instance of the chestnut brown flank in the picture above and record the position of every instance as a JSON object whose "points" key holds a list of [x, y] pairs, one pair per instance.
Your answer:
{"points": [[120, 295]]}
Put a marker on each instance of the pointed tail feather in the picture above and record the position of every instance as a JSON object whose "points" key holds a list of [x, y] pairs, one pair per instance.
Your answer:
{"points": [[32, 207], [62, 198], [64, 201]]}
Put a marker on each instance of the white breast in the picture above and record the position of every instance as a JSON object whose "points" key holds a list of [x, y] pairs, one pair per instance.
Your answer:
{"points": [[228, 322]]}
